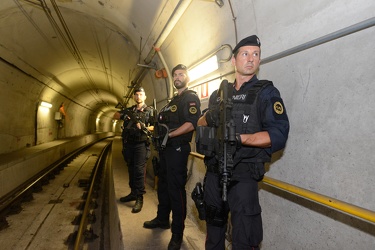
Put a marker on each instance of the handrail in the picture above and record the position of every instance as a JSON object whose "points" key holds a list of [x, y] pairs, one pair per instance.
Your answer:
{"points": [[330, 202], [342, 206]]}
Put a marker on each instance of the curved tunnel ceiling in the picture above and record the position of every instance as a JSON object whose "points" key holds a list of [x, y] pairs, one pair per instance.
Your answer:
{"points": [[86, 51]]}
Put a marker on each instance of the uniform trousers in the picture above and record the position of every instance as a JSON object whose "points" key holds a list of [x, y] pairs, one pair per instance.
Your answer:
{"points": [[245, 212], [171, 186], [135, 155]]}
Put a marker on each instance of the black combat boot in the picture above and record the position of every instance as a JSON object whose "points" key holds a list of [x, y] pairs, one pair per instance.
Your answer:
{"points": [[156, 223], [175, 243], [138, 204], [129, 197]]}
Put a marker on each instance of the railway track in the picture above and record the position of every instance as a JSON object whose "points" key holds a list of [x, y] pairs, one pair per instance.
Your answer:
{"points": [[63, 207]]}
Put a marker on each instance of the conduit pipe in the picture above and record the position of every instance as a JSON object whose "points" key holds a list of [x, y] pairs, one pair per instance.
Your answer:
{"points": [[332, 36], [214, 53], [327, 38], [171, 23], [170, 79]]}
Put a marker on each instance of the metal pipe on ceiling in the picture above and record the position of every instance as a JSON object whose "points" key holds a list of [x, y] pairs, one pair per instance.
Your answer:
{"points": [[171, 90], [318, 41], [313, 43], [171, 23]]}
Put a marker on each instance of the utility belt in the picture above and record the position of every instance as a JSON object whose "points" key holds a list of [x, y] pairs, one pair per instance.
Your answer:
{"points": [[135, 138], [243, 170], [135, 142]]}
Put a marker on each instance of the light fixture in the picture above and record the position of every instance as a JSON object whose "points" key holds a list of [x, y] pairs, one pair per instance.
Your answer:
{"points": [[46, 104], [204, 68], [220, 3], [58, 116]]}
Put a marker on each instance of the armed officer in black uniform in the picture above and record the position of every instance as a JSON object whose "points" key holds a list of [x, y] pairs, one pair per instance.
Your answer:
{"points": [[262, 127], [137, 127], [180, 117]]}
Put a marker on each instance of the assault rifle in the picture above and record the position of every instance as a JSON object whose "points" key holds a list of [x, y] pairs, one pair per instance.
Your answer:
{"points": [[134, 118], [226, 134]]}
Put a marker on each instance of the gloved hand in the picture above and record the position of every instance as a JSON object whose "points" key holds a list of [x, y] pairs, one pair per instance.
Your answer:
{"points": [[238, 141]]}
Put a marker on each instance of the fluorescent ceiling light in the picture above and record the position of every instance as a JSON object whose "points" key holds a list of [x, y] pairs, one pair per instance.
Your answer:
{"points": [[204, 68], [46, 105]]}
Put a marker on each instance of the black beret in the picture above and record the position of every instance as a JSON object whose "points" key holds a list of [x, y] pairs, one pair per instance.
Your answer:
{"points": [[179, 66], [138, 89], [248, 41]]}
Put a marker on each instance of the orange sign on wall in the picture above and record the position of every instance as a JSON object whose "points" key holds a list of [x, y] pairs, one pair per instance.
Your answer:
{"points": [[204, 90]]}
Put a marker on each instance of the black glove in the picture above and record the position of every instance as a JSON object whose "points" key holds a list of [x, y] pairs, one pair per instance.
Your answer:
{"points": [[238, 140]]}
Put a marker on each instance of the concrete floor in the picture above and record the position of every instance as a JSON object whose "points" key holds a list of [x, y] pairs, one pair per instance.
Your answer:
{"points": [[134, 235]]}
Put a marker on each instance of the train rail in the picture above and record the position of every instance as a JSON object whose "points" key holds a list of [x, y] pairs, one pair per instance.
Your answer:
{"points": [[61, 207]]}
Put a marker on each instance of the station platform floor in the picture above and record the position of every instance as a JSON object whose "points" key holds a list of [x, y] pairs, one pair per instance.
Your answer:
{"points": [[134, 235]]}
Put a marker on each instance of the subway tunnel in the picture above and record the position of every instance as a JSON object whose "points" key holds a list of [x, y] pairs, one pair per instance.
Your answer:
{"points": [[82, 58]]}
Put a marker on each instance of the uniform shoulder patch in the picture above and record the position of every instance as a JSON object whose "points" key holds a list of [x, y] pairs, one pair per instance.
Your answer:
{"points": [[193, 110], [173, 108], [278, 108]]}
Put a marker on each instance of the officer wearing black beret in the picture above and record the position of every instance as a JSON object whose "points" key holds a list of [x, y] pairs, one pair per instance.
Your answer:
{"points": [[180, 115], [262, 128]]}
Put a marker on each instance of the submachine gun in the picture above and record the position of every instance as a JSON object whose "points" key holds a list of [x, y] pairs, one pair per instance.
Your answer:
{"points": [[134, 118]]}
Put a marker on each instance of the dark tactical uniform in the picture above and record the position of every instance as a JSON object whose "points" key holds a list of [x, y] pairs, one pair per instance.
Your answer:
{"points": [[173, 159], [136, 147], [257, 106]]}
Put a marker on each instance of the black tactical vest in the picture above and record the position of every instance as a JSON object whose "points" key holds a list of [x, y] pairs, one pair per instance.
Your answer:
{"points": [[130, 132], [246, 116]]}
